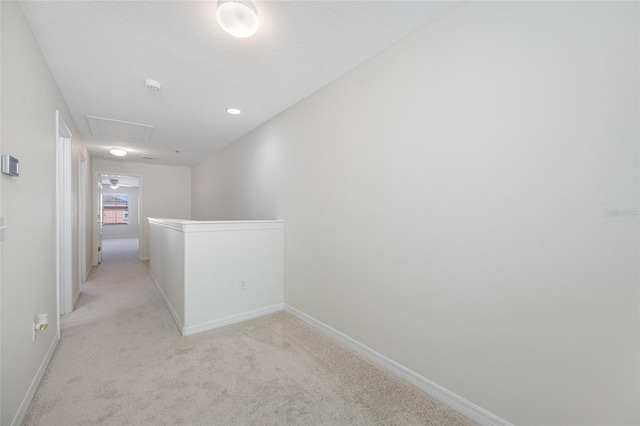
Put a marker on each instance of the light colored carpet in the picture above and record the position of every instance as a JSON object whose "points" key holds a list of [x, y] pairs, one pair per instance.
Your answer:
{"points": [[122, 361], [119, 250]]}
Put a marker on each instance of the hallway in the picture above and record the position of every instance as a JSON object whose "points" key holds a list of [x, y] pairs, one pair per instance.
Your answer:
{"points": [[121, 360]]}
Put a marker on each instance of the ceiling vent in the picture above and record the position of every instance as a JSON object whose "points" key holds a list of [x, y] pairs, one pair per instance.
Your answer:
{"points": [[117, 129]]}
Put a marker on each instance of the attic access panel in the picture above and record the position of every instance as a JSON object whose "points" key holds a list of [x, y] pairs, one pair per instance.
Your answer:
{"points": [[118, 129]]}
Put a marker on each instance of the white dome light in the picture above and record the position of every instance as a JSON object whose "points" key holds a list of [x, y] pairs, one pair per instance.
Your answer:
{"points": [[118, 152], [237, 17], [233, 111]]}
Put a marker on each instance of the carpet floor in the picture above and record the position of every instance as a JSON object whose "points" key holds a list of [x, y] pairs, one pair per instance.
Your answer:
{"points": [[121, 361], [119, 250]]}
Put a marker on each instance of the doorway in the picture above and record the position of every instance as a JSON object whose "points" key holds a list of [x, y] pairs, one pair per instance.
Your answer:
{"points": [[119, 218], [82, 218]]}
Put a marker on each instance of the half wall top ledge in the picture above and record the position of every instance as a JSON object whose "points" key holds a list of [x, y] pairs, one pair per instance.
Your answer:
{"points": [[187, 226]]}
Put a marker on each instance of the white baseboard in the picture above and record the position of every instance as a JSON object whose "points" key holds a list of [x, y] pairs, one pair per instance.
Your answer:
{"points": [[26, 401], [210, 325], [469, 409], [75, 299], [86, 277], [165, 299]]}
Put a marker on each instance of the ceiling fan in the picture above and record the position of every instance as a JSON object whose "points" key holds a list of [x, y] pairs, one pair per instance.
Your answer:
{"points": [[115, 184]]}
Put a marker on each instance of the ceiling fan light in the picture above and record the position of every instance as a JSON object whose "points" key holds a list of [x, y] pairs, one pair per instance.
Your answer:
{"points": [[118, 152], [237, 17]]}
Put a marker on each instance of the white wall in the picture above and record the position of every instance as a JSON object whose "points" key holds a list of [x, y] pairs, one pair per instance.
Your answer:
{"points": [[132, 229], [164, 192], [30, 98], [466, 203], [167, 268]]}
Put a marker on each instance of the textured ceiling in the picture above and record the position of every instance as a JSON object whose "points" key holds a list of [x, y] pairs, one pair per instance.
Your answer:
{"points": [[101, 52]]}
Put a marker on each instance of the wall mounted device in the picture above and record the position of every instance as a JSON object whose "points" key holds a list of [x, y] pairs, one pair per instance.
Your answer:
{"points": [[10, 165]]}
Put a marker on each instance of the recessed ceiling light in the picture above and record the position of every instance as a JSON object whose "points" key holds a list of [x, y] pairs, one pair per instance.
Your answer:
{"points": [[234, 111], [237, 17], [118, 152]]}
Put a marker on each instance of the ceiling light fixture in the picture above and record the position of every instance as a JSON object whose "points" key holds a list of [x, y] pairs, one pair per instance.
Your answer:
{"points": [[118, 152], [237, 17], [233, 111], [114, 183]]}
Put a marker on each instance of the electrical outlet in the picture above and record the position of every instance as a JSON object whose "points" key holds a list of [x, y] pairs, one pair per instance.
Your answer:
{"points": [[243, 285]]}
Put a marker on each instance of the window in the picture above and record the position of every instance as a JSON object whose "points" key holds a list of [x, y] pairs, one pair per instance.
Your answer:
{"points": [[115, 209]]}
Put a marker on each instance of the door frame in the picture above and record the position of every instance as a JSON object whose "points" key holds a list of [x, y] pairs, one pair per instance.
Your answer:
{"points": [[82, 217], [97, 198], [96, 195], [64, 217]]}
